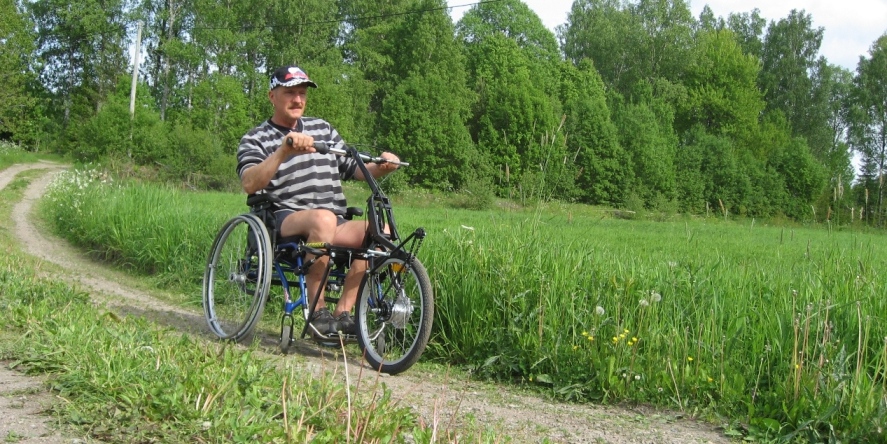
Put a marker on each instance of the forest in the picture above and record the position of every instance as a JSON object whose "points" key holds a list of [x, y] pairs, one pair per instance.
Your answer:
{"points": [[630, 104]]}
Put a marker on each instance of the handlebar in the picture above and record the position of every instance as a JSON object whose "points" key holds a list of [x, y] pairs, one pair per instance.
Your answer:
{"points": [[325, 148]]}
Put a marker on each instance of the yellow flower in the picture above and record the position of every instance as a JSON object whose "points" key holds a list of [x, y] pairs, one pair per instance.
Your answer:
{"points": [[625, 331], [634, 339], [584, 333], [591, 338], [690, 358], [709, 379], [575, 347]]}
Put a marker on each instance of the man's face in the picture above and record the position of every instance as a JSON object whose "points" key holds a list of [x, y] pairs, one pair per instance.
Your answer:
{"points": [[289, 102]]}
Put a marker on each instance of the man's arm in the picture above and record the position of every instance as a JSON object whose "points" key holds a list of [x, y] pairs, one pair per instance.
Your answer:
{"points": [[256, 178]]}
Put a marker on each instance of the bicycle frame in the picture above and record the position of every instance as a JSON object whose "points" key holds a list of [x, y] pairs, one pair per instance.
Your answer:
{"points": [[380, 243]]}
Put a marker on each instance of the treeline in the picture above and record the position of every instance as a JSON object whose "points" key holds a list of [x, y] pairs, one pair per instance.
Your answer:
{"points": [[635, 104]]}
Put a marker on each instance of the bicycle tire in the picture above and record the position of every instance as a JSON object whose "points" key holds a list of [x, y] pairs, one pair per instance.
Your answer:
{"points": [[237, 278], [394, 314]]}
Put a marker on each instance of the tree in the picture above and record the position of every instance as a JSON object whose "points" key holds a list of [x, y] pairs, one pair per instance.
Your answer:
{"points": [[667, 39], [423, 117], [82, 44], [602, 32], [630, 42], [513, 67], [16, 101], [603, 167], [721, 87], [749, 30], [792, 81], [868, 129], [366, 43], [646, 130], [167, 24], [708, 21]]}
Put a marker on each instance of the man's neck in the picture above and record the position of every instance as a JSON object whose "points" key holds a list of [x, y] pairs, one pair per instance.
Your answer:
{"points": [[284, 122]]}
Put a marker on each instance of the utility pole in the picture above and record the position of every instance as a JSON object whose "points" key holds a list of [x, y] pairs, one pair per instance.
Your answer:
{"points": [[135, 71], [135, 78]]}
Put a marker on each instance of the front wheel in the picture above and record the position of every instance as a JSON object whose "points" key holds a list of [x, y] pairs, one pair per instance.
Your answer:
{"points": [[237, 278], [394, 314]]}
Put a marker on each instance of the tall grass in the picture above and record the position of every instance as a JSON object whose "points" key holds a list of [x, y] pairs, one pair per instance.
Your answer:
{"points": [[11, 153], [124, 379], [780, 329], [130, 381]]}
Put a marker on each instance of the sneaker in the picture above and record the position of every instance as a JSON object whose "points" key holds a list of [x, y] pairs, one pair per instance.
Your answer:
{"points": [[345, 324], [322, 322]]}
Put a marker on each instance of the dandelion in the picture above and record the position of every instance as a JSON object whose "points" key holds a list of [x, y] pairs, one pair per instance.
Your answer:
{"points": [[590, 338], [599, 310], [689, 359], [637, 377], [644, 303], [655, 297], [575, 347], [584, 333], [709, 379]]}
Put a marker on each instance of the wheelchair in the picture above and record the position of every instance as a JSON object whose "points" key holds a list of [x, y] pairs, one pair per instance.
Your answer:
{"points": [[250, 265]]}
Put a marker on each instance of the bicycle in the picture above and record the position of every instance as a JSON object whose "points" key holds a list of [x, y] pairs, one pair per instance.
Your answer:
{"points": [[395, 305]]}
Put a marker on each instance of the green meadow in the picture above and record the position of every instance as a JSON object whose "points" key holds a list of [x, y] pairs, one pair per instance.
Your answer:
{"points": [[777, 331], [127, 379]]}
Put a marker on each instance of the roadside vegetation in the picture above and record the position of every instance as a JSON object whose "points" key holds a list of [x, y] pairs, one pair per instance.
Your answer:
{"points": [[776, 330], [126, 379]]}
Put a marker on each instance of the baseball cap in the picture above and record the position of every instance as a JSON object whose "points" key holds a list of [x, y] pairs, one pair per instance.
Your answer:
{"points": [[290, 76]]}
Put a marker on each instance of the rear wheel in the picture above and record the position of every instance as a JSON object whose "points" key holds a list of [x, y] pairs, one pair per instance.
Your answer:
{"points": [[394, 314], [237, 278]]}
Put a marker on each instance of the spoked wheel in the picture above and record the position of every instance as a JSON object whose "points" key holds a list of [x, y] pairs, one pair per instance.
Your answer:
{"points": [[394, 315], [237, 278]]}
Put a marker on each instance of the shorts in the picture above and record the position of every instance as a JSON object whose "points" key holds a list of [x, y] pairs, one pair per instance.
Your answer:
{"points": [[280, 215]]}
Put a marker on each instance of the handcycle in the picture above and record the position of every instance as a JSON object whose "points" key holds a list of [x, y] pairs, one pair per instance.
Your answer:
{"points": [[395, 304]]}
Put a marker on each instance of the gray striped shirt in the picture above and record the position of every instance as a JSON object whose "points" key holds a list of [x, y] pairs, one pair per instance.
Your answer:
{"points": [[304, 181]]}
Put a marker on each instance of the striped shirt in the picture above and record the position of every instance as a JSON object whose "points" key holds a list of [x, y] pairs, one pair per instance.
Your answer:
{"points": [[304, 181]]}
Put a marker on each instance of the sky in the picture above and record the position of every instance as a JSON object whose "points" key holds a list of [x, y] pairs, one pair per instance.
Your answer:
{"points": [[851, 26]]}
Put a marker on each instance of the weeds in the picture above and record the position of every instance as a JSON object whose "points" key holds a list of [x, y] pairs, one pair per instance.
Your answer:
{"points": [[783, 332]]}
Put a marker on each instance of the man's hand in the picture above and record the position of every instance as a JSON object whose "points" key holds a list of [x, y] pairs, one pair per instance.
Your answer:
{"points": [[301, 144], [392, 163]]}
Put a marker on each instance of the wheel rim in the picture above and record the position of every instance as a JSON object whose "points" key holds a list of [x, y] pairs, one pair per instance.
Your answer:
{"points": [[236, 279], [392, 327]]}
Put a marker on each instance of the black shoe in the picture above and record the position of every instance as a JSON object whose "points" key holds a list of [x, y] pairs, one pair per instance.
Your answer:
{"points": [[322, 322], [345, 324]]}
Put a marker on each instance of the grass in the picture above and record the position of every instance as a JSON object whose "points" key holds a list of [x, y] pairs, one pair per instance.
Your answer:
{"points": [[125, 379], [778, 329]]}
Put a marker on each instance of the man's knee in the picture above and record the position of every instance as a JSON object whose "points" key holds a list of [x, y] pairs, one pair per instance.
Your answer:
{"points": [[311, 223]]}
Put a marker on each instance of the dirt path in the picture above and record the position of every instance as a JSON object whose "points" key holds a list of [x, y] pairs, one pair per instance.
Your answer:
{"points": [[524, 417]]}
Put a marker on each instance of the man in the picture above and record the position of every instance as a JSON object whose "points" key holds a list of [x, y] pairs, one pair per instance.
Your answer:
{"points": [[309, 186]]}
